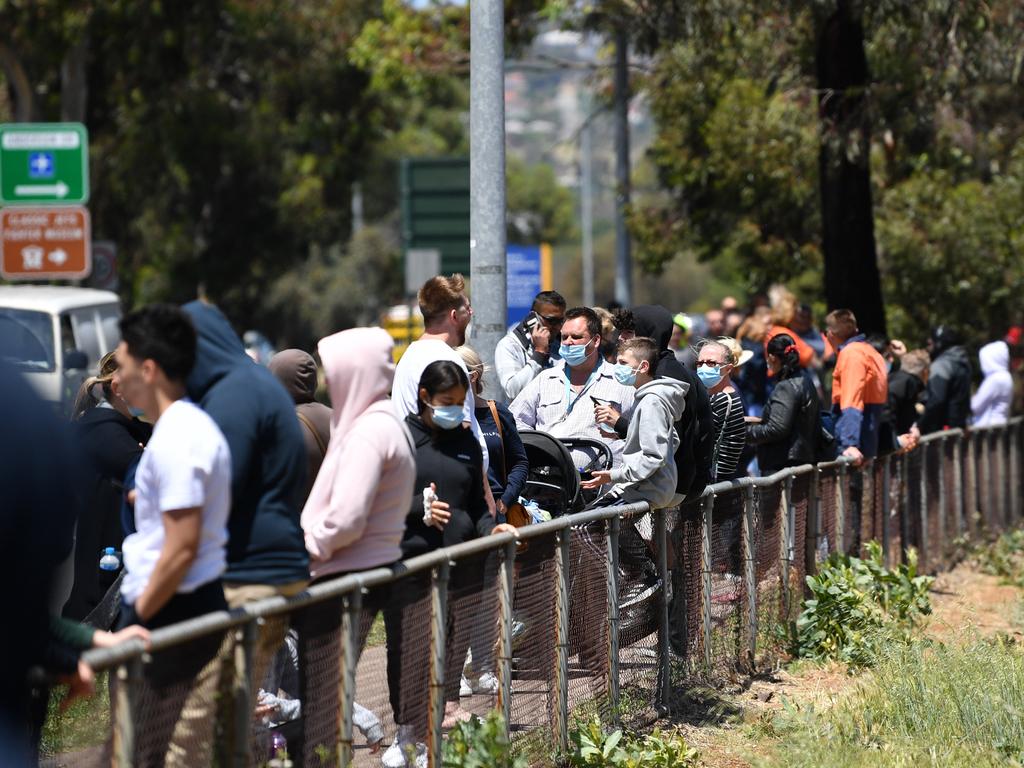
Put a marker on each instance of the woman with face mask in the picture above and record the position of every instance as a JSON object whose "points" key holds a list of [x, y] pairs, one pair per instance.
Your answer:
{"points": [[447, 508], [716, 361]]}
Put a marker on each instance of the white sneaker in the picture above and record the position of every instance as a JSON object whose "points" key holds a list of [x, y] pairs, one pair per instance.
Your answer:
{"points": [[486, 683], [404, 746], [465, 689]]}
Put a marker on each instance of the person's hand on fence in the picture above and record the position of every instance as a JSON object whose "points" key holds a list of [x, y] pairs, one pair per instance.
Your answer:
{"points": [[853, 452], [908, 440], [597, 479], [439, 514], [505, 528], [81, 685], [103, 639]]}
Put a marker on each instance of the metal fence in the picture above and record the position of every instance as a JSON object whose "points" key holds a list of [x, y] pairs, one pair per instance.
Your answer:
{"points": [[614, 612]]}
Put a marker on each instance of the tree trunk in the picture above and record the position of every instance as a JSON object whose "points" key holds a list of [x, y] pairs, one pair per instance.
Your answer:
{"points": [[19, 84], [848, 238], [74, 87]]}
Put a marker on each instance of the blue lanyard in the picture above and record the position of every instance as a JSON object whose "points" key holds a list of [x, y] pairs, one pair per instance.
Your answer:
{"points": [[568, 389]]}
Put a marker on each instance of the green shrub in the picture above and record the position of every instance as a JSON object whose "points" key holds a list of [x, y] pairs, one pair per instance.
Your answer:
{"points": [[592, 747], [480, 744], [856, 605], [1004, 558]]}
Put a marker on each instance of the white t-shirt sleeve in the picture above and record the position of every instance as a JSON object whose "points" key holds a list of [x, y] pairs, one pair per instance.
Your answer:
{"points": [[183, 483]]}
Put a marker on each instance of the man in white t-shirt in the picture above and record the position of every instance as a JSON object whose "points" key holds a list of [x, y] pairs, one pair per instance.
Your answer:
{"points": [[446, 315], [174, 560]]}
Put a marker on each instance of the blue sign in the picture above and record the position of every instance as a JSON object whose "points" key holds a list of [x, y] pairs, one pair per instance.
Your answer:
{"points": [[523, 275], [40, 165]]}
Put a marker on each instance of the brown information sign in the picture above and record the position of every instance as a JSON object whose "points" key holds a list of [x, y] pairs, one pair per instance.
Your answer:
{"points": [[45, 243]]}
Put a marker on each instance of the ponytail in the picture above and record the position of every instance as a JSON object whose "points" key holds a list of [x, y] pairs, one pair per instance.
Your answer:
{"points": [[783, 347]]}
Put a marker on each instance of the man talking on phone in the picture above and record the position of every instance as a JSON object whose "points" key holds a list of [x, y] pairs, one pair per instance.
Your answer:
{"points": [[532, 345]]}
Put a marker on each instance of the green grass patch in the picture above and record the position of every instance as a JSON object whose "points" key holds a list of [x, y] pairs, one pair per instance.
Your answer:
{"points": [[924, 704], [85, 724], [377, 636]]}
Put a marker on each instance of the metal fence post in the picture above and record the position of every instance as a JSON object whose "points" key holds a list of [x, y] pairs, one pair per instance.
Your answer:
{"points": [[750, 571], [972, 508], [886, 511], [1002, 448], [786, 536], [905, 511], [940, 556], [350, 622], [562, 639], [506, 596], [245, 642], [841, 510], [1015, 472], [664, 652], [958, 484], [613, 616], [708, 508], [125, 698], [438, 642], [926, 556]]}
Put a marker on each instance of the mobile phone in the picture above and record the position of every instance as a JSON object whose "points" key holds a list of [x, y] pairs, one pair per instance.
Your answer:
{"points": [[531, 321], [598, 401]]}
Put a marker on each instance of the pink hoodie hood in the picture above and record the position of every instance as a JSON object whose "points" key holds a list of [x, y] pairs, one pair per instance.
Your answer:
{"points": [[359, 372]]}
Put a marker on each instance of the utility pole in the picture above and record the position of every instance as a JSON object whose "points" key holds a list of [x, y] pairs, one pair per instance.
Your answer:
{"points": [[487, 181], [623, 251], [587, 209]]}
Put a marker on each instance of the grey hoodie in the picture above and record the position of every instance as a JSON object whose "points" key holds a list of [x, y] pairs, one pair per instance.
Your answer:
{"points": [[648, 469]]}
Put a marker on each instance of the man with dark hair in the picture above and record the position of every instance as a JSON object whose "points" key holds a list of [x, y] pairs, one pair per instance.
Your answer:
{"points": [[526, 350], [566, 399], [176, 557], [948, 397]]}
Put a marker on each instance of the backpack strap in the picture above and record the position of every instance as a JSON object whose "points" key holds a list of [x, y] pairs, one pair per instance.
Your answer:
{"points": [[316, 435], [501, 438]]}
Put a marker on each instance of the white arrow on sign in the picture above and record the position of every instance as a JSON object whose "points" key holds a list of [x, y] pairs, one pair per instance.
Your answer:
{"points": [[58, 190]]}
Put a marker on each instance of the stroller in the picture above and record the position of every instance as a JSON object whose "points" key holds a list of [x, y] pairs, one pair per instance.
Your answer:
{"points": [[553, 480]]}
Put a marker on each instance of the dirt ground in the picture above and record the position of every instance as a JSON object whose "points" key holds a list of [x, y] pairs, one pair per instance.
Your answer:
{"points": [[964, 602]]}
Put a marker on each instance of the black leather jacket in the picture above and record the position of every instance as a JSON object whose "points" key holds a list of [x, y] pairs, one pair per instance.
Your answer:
{"points": [[787, 434]]}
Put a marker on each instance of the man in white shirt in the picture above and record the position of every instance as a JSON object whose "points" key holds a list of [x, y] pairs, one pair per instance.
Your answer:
{"points": [[174, 560], [578, 394]]}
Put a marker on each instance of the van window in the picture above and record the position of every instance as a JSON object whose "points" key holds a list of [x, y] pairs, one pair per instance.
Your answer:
{"points": [[110, 329], [87, 336], [26, 339]]}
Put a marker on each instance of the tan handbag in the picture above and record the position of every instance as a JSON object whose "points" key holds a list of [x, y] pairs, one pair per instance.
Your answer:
{"points": [[515, 513]]}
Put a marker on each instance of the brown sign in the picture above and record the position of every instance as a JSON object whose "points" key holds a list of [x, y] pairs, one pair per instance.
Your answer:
{"points": [[45, 243]]}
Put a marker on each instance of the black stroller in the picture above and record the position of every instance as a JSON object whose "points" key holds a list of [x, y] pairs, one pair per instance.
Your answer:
{"points": [[554, 481]]}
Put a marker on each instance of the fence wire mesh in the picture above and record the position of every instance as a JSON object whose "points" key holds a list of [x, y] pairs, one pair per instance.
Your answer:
{"points": [[736, 565]]}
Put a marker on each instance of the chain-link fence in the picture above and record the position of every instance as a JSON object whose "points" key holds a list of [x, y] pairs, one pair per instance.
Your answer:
{"points": [[614, 612]]}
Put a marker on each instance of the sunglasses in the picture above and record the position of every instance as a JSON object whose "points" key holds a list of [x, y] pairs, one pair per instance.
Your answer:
{"points": [[552, 320]]}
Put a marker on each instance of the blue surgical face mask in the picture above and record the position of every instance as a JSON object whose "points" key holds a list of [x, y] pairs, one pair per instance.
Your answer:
{"points": [[138, 413], [709, 375], [625, 375], [573, 354], [446, 416]]}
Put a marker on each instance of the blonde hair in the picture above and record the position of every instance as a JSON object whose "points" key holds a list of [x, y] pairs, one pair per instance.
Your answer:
{"points": [[783, 305], [607, 321], [85, 400], [734, 347], [473, 363], [753, 327]]}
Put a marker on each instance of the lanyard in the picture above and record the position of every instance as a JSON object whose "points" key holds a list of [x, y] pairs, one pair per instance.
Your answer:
{"points": [[568, 390]]}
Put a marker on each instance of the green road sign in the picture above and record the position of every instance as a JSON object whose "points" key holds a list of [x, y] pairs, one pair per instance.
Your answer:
{"points": [[44, 163], [435, 210]]}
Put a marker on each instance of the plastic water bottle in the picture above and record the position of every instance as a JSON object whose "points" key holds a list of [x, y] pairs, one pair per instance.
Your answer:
{"points": [[110, 564]]}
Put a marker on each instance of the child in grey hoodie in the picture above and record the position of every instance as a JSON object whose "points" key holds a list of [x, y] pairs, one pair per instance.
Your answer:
{"points": [[648, 469]]}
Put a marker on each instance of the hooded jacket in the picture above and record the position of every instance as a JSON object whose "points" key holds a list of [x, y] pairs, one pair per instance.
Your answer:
{"points": [[268, 456], [787, 434], [648, 469], [296, 370], [948, 398], [355, 515], [991, 403], [695, 427]]}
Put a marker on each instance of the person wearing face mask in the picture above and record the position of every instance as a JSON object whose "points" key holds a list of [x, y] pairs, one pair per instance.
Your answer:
{"points": [[716, 360], [447, 508], [111, 439], [571, 398]]}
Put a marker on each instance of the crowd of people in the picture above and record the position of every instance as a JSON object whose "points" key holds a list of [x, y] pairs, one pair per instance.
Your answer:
{"points": [[222, 482]]}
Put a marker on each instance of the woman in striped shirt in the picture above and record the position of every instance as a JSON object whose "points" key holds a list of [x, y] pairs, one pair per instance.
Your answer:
{"points": [[716, 360]]}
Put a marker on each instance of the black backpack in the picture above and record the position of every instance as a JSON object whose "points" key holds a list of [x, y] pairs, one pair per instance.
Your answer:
{"points": [[693, 457]]}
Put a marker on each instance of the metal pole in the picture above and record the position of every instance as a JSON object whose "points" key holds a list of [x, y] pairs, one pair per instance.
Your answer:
{"points": [[506, 596], [886, 511], [125, 694], [1015, 472], [940, 467], [750, 571], [958, 484], [587, 207], [623, 255], [350, 622], [926, 555], [786, 542], [904, 506], [707, 516], [986, 466], [1004, 486], [841, 510], [245, 642], [664, 657], [813, 526], [562, 639], [487, 180], [973, 507], [438, 643], [613, 617]]}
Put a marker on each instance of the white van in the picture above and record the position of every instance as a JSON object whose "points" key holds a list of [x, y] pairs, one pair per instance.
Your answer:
{"points": [[56, 335]]}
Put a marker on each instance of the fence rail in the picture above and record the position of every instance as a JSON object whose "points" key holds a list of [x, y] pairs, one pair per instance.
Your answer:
{"points": [[609, 612]]}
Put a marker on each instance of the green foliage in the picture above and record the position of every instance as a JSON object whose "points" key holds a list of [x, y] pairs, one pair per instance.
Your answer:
{"points": [[924, 705], [480, 744], [858, 605], [539, 210], [592, 747], [1004, 558]]}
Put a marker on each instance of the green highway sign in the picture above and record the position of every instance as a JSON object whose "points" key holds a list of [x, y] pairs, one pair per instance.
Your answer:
{"points": [[44, 163], [435, 210]]}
